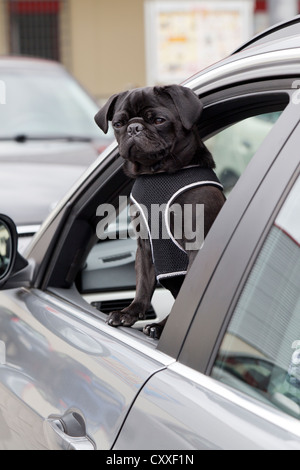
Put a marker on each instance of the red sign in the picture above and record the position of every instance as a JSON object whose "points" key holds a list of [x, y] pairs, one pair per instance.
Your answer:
{"points": [[260, 5], [24, 7]]}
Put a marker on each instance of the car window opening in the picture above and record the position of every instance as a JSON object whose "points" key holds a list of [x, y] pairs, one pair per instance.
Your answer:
{"points": [[108, 279]]}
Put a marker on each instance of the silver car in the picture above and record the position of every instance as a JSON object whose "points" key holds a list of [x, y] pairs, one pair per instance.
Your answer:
{"points": [[48, 138], [225, 373]]}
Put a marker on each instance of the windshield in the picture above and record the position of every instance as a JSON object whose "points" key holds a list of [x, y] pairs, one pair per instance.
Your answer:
{"points": [[52, 105]]}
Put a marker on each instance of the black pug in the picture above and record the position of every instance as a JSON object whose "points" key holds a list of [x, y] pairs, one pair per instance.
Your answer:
{"points": [[156, 129]]}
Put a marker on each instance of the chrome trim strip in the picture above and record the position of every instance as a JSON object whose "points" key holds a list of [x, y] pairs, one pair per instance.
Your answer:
{"points": [[274, 416], [246, 64]]}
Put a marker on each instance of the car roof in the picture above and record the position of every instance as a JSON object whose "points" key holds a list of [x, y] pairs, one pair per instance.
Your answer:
{"points": [[286, 29], [29, 63]]}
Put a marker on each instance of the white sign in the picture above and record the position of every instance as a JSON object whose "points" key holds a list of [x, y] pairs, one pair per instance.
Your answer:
{"points": [[183, 37]]}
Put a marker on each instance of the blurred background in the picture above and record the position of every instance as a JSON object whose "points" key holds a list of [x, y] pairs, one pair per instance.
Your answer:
{"points": [[111, 46]]}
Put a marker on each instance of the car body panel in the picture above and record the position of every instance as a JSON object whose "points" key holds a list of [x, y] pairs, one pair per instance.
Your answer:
{"points": [[60, 358], [197, 412]]}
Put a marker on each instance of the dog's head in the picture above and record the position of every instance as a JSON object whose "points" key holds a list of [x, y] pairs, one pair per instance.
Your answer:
{"points": [[155, 128]]}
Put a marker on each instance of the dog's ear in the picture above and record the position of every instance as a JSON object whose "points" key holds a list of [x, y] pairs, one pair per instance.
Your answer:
{"points": [[107, 111], [187, 103]]}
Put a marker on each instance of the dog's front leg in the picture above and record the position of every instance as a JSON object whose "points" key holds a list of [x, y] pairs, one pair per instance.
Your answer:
{"points": [[145, 285]]}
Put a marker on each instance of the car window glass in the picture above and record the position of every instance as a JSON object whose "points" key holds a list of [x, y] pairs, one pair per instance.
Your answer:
{"points": [[260, 353], [47, 105], [234, 147]]}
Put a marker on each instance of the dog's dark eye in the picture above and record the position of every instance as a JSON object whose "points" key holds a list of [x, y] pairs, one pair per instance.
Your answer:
{"points": [[159, 121], [118, 124]]}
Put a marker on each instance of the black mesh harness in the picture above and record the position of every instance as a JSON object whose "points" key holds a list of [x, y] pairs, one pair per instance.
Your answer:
{"points": [[152, 196]]}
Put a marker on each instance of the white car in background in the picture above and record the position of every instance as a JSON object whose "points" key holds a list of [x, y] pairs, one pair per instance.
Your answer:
{"points": [[48, 137]]}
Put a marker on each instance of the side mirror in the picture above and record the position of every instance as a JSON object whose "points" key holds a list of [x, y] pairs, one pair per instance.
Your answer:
{"points": [[8, 247], [14, 269]]}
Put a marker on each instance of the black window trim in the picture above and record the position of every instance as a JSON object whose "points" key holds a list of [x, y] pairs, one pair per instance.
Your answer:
{"points": [[242, 101]]}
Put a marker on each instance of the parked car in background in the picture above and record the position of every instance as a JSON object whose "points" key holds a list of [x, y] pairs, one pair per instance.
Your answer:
{"points": [[47, 137], [225, 373]]}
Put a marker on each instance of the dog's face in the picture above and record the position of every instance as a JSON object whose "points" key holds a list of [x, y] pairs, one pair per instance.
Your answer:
{"points": [[154, 127]]}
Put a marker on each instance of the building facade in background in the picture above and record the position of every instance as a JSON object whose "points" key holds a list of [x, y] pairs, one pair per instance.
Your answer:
{"points": [[112, 46]]}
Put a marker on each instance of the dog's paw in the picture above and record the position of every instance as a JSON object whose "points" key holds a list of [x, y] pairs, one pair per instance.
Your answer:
{"points": [[114, 318], [121, 319], [154, 330]]}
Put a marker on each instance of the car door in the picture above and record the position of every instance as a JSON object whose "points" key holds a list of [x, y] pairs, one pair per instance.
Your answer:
{"points": [[236, 382]]}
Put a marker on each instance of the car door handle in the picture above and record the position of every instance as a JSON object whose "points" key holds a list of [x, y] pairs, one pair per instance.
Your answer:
{"points": [[67, 432]]}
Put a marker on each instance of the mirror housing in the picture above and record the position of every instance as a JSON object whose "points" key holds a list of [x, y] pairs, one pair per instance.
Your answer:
{"points": [[13, 272], [8, 247]]}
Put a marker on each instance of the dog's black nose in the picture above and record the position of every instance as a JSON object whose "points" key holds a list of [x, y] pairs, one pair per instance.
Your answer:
{"points": [[135, 128]]}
